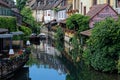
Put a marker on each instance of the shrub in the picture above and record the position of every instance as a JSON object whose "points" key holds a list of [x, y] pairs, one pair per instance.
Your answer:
{"points": [[103, 45], [77, 22]]}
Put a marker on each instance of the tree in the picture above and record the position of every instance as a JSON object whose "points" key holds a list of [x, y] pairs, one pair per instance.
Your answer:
{"points": [[28, 18], [104, 45], [21, 4]]}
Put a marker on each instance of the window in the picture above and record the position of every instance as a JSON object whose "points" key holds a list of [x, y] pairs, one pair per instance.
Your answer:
{"points": [[108, 1], [63, 3], [84, 10], [94, 2], [81, 7]]}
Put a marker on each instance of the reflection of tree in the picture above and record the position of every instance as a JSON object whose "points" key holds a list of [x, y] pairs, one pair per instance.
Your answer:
{"points": [[82, 72], [22, 75], [32, 61]]}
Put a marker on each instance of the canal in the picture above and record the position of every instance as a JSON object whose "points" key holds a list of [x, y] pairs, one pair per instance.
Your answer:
{"points": [[46, 63]]}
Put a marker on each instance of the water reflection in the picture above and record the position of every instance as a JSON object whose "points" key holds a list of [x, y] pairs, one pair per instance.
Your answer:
{"points": [[82, 72], [45, 66], [48, 66]]}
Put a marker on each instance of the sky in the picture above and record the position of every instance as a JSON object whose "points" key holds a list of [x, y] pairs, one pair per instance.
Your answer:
{"points": [[15, 0]]}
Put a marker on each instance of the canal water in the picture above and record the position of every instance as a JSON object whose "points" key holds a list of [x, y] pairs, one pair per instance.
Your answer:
{"points": [[46, 63]]}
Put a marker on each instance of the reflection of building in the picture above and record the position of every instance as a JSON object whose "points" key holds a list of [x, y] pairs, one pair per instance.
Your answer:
{"points": [[49, 61]]}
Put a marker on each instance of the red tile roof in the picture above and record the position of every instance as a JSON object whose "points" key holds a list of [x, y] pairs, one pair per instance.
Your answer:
{"points": [[96, 9], [57, 3], [4, 3], [86, 33]]}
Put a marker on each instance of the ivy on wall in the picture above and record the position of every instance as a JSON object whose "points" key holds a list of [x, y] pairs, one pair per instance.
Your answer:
{"points": [[60, 39], [8, 23]]}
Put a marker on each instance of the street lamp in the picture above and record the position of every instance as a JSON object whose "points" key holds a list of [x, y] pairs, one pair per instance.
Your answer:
{"points": [[28, 43]]}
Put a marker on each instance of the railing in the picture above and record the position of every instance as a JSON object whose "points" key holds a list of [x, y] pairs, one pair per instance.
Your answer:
{"points": [[8, 66]]}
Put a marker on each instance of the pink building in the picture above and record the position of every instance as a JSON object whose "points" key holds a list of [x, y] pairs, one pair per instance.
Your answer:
{"points": [[100, 12]]}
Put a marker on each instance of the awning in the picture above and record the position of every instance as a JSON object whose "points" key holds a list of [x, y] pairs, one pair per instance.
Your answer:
{"points": [[17, 33], [3, 30], [6, 35], [86, 33]]}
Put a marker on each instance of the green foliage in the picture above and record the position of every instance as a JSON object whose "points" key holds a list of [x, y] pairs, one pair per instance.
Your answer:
{"points": [[103, 45], [77, 50], [27, 13], [8, 23], [27, 31], [56, 9], [118, 65], [77, 22], [60, 39], [21, 4]]}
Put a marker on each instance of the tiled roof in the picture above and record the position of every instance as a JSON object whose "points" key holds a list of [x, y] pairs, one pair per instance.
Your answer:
{"points": [[86, 33], [47, 6], [63, 7], [4, 3], [57, 3], [96, 9]]}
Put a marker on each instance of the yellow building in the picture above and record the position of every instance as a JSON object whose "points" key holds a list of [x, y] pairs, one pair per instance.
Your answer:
{"points": [[85, 5]]}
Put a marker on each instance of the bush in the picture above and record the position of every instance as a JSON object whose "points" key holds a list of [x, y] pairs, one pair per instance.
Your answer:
{"points": [[104, 45], [77, 22], [8, 23]]}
